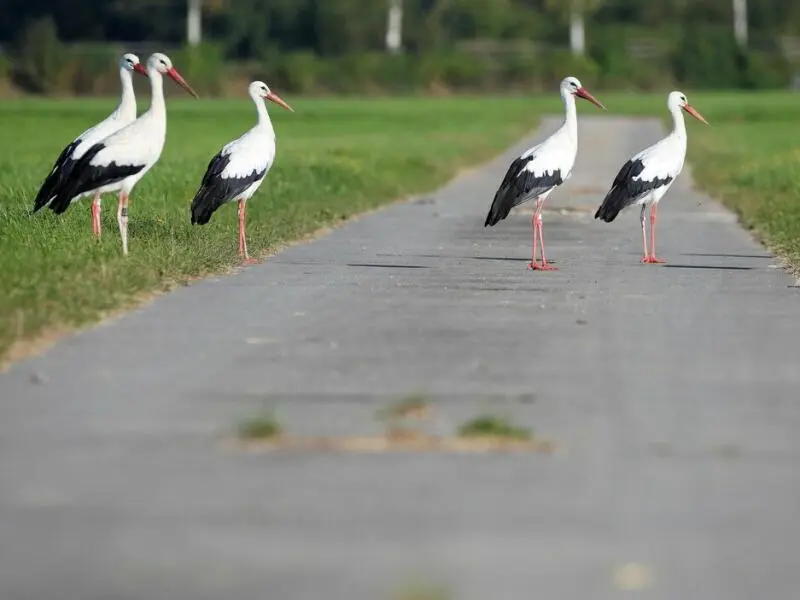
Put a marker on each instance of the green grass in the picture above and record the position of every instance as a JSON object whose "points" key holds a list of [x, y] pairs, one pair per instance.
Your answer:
{"points": [[493, 426], [336, 157], [262, 426]]}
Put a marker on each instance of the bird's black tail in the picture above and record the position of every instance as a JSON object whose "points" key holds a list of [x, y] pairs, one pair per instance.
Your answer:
{"points": [[57, 177], [500, 208], [73, 181], [612, 204], [204, 205]]}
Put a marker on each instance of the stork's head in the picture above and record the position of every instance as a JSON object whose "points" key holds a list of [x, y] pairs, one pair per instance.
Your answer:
{"points": [[259, 89], [162, 64], [571, 85], [677, 100], [130, 62]]}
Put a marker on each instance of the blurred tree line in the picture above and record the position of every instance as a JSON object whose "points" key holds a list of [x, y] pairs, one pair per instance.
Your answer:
{"points": [[337, 45]]}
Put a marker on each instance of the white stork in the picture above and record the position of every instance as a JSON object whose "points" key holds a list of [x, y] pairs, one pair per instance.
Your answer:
{"points": [[541, 169], [237, 171], [646, 177], [118, 162], [124, 114]]}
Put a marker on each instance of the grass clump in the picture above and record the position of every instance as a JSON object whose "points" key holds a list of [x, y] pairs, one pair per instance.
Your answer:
{"points": [[413, 406], [492, 426], [263, 426]]}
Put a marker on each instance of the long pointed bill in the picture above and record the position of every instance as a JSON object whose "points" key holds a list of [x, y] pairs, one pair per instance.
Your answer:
{"points": [[139, 68], [173, 72], [694, 113], [584, 93], [273, 97]]}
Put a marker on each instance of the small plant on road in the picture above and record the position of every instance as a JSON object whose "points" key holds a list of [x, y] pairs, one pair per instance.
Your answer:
{"points": [[493, 426], [263, 426], [415, 406]]}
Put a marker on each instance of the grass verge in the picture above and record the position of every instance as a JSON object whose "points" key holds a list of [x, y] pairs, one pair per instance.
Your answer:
{"points": [[336, 158]]}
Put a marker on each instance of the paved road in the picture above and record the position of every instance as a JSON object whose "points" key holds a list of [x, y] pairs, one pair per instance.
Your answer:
{"points": [[672, 391]]}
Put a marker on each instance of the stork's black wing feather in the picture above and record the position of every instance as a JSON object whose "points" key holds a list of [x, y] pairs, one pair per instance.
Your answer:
{"points": [[85, 177], [627, 190], [519, 185], [215, 189], [58, 175]]}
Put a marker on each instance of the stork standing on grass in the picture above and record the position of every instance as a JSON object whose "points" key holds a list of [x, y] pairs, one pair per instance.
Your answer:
{"points": [[237, 171], [124, 114], [646, 177], [541, 169], [118, 162]]}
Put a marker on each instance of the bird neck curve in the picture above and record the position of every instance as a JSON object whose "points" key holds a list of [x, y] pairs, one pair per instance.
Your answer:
{"points": [[678, 122], [156, 92], [127, 103], [571, 118], [263, 115]]}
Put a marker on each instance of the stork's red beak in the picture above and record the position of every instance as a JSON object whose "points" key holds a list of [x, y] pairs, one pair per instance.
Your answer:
{"points": [[173, 72], [688, 108], [139, 68], [584, 93], [273, 97]]}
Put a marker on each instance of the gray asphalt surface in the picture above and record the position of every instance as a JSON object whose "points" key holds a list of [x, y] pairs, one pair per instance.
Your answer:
{"points": [[672, 392]]}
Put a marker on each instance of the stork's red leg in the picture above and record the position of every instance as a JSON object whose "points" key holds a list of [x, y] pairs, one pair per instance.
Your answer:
{"points": [[643, 220], [538, 216], [653, 218], [96, 208], [242, 252], [533, 264], [122, 220]]}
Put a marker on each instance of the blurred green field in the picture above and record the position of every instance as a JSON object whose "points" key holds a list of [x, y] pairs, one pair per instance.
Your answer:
{"points": [[336, 157]]}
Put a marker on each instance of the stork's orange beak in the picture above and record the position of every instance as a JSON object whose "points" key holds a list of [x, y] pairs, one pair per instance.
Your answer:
{"points": [[689, 109], [584, 93], [173, 73], [273, 97], [139, 68]]}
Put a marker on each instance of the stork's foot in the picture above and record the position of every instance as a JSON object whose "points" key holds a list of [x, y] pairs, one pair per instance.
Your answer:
{"points": [[246, 260], [541, 266], [652, 260]]}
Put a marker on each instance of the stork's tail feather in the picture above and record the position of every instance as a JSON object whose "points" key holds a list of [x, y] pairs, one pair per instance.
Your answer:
{"points": [[499, 209], [613, 203], [68, 189], [54, 181], [203, 206]]}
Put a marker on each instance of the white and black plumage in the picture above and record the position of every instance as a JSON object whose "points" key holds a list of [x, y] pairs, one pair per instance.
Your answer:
{"points": [[119, 161], [237, 171], [646, 177], [124, 114], [541, 169]]}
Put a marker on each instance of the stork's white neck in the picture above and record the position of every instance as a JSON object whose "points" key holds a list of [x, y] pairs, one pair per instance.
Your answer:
{"points": [[678, 123], [264, 121], [157, 107], [571, 119], [127, 103]]}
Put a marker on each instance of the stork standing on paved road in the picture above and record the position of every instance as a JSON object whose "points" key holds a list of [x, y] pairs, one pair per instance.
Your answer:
{"points": [[124, 114], [237, 171], [541, 169], [118, 162], [646, 177]]}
